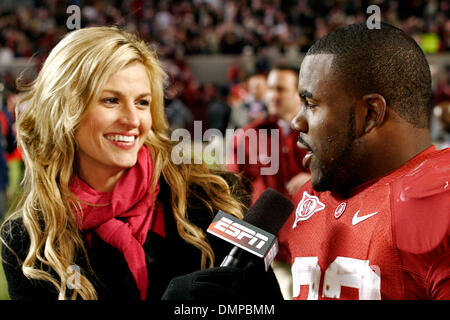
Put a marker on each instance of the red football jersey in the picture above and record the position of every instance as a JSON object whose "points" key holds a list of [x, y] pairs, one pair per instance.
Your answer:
{"points": [[389, 240], [287, 156]]}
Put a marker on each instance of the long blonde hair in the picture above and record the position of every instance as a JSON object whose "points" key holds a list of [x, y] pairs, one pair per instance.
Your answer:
{"points": [[56, 102]]}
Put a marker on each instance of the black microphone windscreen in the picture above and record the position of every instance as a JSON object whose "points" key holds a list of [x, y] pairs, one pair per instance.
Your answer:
{"points": [[270, 211]]}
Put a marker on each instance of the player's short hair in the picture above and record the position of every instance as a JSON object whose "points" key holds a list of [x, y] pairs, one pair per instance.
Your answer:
{"points": [[385, 61]]}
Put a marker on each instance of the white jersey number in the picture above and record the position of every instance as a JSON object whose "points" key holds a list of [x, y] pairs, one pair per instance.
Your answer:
{"points": [[347, 272]]}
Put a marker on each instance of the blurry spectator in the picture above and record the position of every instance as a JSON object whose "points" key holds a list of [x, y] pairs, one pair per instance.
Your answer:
{"points": [[7, 146], [442, 92], [446, 33], [440, 128], [6, 54], [178, 115], [207, 94], [4, 180], [231, 43], [219, 110], [234, 72], [254, 107], [262, 63], [283, 104], [12, 99], [14, 158]]}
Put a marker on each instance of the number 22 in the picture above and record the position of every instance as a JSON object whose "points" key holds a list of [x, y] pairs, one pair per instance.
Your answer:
{"points": [[347, 272]]}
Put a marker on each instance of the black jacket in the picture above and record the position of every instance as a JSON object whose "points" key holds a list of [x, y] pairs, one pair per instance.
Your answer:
{"points": [[166, 258]]}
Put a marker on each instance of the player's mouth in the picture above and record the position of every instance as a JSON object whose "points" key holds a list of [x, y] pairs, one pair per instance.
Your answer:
{"points": [[303, 145], [307, 159]]}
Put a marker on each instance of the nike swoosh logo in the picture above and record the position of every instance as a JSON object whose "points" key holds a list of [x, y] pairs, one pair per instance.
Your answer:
{"points": [[357, 219]]}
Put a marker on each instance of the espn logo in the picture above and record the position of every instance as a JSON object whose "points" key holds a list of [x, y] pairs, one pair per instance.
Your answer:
{"points": [[238, 231], [245, 236]]}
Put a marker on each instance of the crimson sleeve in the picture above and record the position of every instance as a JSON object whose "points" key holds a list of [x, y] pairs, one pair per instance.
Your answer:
{"points": [[438, 279]]}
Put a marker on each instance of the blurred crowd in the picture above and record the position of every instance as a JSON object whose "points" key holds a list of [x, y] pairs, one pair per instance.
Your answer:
{"points": [[215, 26], [178, 28]]}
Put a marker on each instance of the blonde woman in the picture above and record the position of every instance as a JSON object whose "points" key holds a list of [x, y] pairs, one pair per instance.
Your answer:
{"points": [[105, 213]]}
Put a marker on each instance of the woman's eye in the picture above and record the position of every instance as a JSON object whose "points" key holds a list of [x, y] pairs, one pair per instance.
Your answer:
{"points": [[144, 103], [110, 100]]}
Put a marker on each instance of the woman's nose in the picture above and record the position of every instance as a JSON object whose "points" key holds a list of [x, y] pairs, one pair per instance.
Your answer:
{"points": [[130, 115]]}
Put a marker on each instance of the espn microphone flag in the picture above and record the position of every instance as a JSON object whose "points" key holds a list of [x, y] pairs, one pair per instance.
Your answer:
{"points": [[245, 236], [257, 232]]}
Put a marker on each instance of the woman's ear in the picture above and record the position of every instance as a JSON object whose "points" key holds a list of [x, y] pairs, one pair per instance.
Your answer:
{"points": [[375, 105]]}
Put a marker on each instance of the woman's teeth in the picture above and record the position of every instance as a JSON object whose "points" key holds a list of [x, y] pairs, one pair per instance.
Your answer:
{"points": [[121, 138]]}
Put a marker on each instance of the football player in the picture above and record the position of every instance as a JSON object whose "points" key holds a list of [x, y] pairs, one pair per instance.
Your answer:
{"points": [[373, 221]]}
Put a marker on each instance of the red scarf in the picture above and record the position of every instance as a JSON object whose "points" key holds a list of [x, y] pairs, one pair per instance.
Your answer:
{"points": [[130, 200]]}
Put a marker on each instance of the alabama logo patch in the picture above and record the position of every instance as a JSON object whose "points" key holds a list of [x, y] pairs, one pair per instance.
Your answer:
{"points": [[340, 209], [307, 207]]}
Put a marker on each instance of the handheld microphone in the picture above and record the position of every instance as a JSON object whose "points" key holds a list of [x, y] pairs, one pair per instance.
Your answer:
{"points": [[257, 232]]}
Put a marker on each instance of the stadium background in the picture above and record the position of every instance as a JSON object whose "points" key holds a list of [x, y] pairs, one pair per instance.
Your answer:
{"points": [[210, 46]]}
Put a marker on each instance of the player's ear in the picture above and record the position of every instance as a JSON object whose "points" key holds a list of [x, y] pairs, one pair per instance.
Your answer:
{"points": [[375, 105]]}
